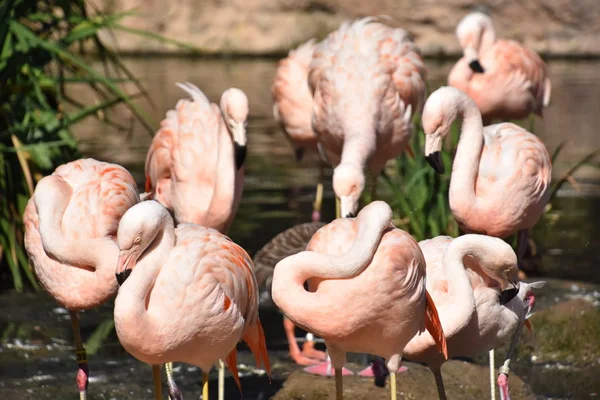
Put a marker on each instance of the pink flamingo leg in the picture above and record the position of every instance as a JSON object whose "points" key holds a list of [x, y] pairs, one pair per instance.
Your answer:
{"points": [[81, 356], [297, 355]]}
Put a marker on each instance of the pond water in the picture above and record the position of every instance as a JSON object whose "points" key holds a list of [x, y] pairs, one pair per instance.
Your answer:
{"points": [[35, 360]]}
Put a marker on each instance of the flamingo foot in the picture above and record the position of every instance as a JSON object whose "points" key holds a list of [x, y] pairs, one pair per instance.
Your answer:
{"points": [[326, 369], [174, 392], [503, 385], [82, 380], [303, 358], [308, 350]]}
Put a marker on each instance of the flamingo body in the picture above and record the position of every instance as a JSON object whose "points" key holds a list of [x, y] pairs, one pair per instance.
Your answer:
{"points": [[191, 166], [514, 82], [82, 203]]}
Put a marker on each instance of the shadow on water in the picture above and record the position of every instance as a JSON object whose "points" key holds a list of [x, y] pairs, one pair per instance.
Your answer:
{"points": [[36, 360]]}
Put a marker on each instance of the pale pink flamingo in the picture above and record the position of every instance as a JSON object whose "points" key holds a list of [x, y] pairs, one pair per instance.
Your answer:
{"points": [[70, 230], [285, 244], [501, 174], [473, 282], [367, 80], [194, 166], [188, 294], [292, 108], [367, 289], [505, 79]]}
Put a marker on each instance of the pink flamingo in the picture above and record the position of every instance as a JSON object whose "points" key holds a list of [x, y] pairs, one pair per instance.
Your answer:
{"points": [[70, 228], [505, 79], [500, 176], [285, 244], [367, 289], [473, 282], [292, 108], [188, 294], [194, 166], [367, 80]]}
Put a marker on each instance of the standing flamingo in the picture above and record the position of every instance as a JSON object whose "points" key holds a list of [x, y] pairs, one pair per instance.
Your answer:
{"points": [[501, 174], [285, 244], [188, 294], [367, 289], [292, 108], [367, 80], [505, 79], [194, 166], [473, 282], [70, 227]]}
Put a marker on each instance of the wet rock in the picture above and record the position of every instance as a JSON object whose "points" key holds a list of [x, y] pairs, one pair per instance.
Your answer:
{"points": [[261, 27], [462, 380]]}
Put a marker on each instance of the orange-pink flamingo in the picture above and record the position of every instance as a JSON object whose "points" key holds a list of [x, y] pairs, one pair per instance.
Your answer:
{"points": [[287, 243], [505, 79], [188, 294], [367, 289], [367, 80], [194, 166], [70, 228], [473, 281], [501, 174]]}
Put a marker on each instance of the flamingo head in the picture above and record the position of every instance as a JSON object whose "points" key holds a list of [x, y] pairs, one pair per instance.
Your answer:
{"points": [[137, 230], [348, 184], [234, 106], [475, 33]]}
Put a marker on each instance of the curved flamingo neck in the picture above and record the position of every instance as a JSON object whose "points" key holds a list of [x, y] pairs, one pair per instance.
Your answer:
{"points": [[465, 168], [487, 40], [358, 148], [290, 274], [52, 196]]}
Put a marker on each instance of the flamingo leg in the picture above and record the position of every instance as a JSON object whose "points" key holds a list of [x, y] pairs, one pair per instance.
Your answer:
{"points": [[492, 375], [204, 385], [339, 387], [439, 382], [174, 392], [393, 385], [299, 357], [81, 357], [221, 381], [316, 215], [157, 382], [338, 207]]}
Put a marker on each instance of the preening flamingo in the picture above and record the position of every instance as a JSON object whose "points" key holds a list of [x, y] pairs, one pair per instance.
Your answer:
{"points": [[70, 228], [292, 108], [194, 166], [367, 80], [367, 289], [501, 174], [505, 79], [188, 294], [473, 282], [285, 244]]}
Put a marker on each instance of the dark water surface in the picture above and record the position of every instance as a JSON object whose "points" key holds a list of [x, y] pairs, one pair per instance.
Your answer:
{"points": [[35, 356]]}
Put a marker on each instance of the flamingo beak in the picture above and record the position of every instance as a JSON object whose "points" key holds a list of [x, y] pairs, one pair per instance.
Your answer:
{"points": [[476, 67], [508, 294], [239, 143], [474, 64], [124, 266], [348, 207], [433, 151]]}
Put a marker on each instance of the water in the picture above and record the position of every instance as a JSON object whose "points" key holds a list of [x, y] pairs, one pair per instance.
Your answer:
{"points": [[35, 360]]}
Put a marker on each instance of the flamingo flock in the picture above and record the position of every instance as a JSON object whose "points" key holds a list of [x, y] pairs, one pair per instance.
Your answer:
{"points": [[185, 292]]}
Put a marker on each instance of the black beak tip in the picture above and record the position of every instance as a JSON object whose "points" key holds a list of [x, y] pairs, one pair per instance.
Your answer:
{"points": [[476, 67], [435, 160], [240, 155], [507, 295], [350, 215], [122, 276]]}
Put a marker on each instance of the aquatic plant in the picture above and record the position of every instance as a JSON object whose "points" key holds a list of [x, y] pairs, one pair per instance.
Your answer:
{"points": [[42, 47]]}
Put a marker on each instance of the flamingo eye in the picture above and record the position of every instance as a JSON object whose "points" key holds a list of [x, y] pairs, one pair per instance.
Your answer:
{"points": [[137, 240]]}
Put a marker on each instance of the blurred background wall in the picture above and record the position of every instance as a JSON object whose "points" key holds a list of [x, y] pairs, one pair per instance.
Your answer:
{"points": [[271, 27]]}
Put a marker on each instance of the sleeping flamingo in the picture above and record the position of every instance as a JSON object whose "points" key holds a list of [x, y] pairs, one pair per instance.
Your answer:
{"points": [[285, 244], [70, 228], [367, 80], [501, 174], [473, 282], [188, 294], [194, 166], [504, 79], [367, 289], [292, 108]]}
